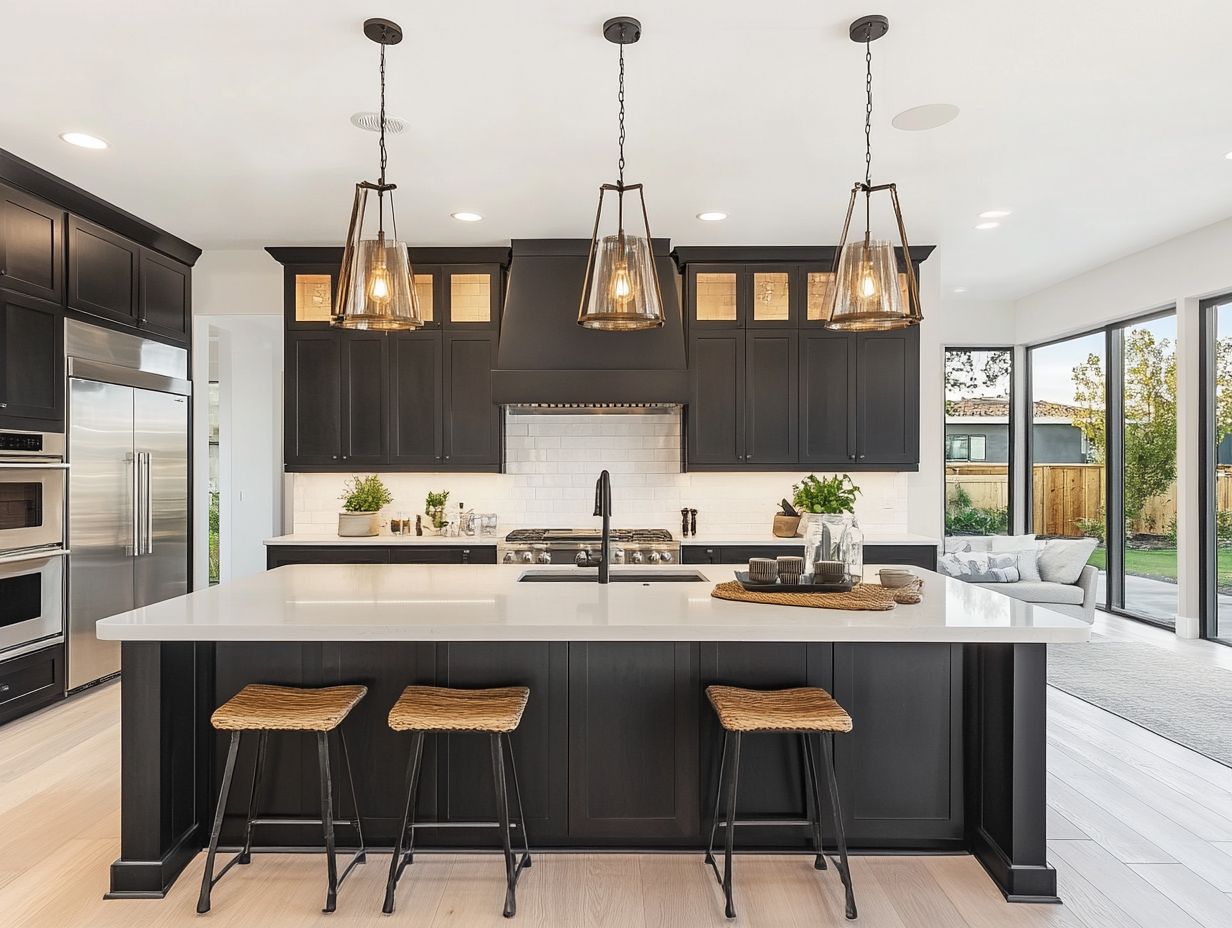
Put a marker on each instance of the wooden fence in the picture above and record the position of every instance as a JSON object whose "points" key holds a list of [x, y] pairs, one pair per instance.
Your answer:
{"points": [[1063, 495]]}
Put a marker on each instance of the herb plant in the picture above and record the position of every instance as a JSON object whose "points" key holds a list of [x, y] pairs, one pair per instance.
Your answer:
{"points": [[434, 506], [365, 494], [829, 494]]}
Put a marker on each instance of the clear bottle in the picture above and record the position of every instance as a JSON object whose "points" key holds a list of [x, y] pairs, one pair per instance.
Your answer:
{"points": [[853, 554]]}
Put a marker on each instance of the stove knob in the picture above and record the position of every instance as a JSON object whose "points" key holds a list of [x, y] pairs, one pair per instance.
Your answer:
{"points": [[666, 557], [618, 556], [654, 557], [637, 557], [527, 557], [509, 557], [545, 557]]}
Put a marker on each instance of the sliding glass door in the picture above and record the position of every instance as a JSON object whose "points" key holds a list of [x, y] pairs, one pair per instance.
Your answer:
{"points": [[1217, 488], [978, 440]]}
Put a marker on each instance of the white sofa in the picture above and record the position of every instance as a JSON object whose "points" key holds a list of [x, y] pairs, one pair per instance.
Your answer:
{"points": [[1076, 599]]}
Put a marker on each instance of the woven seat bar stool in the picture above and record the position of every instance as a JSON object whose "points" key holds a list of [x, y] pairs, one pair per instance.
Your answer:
{"points": [[424, 710], [264, 709], [807, 712]]}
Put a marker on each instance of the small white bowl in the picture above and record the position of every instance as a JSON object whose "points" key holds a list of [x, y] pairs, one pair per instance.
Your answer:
{"points": [[895, 577]]}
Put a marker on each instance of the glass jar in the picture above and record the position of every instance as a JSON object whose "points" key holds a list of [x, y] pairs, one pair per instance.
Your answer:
{"points": [[824, 538], [853, 551]]}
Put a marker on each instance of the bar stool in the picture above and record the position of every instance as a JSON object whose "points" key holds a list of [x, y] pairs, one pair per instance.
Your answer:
{"points": [[264, 709], [423, 710], [804, 711]]}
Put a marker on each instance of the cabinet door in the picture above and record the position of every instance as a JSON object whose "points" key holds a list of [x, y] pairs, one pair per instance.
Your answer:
{"points": [[31, 246], [770, 296], [713, 295], [31, 361], [900, 768], [313, 402], [472, 420], [770, 396], [281, 555], [415, 402], [827, 397], [716, 410], [165, 296], [102, 272], [888, 397], [308, 295], [633, 732], [696, 554], [442, 554], [471, 297], [365, 396]]}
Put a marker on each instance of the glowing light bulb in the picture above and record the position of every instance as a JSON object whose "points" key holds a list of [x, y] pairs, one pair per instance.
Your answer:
{"points": [[622, 284], [868, 285], [379, 285]]}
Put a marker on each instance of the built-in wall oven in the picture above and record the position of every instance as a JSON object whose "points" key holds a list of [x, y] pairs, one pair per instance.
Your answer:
{"points": [[32, 491]]}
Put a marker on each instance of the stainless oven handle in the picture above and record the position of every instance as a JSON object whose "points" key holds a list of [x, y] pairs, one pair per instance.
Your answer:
{"points": [[27, 465], [147, 503], [134, 549], [35, 554]]}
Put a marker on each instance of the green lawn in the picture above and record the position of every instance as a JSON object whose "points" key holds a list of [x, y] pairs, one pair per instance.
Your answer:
{"points": [[1161, 563]]}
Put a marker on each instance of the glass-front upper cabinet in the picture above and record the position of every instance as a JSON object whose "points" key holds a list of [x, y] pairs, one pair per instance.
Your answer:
{"points": [[310, 290], [740, 296], [471, 296], [816, 282]]}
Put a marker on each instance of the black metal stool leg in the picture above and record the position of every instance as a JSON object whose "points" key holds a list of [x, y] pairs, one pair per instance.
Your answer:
{"points": [[517, 795], [258, 765], [207, 878], [361, 856], [327, 822], [812, 798], [502, 813], [714, 818], [731, 825], [396, 863], [832, 785]]}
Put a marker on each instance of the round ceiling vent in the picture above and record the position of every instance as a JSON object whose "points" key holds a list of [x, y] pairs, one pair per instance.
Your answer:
{"points": [[371, 122]]}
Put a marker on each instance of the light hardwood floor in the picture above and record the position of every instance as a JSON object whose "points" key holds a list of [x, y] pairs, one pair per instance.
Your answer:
{"points": [[1140, 833]]}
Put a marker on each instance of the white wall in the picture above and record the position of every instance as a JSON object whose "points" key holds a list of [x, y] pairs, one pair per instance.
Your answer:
{"points": [[247, 282], [1179, 272]]}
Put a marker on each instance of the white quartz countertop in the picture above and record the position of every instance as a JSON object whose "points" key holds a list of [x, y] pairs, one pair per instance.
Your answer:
{"points": [[460, 602], [701, 540]]}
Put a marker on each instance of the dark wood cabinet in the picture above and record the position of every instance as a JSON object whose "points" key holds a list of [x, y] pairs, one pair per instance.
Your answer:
{"points": [[908, 555], [771, 387], [887, 395], [716, 410], [102, 272], [31, 362], [633, 740], [412, 401], [342, 553], [31, 246], [442, 554], [827, 398], [164, 296], [31, 681], [415, 420]]}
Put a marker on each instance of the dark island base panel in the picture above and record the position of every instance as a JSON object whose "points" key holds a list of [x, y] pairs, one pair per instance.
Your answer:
{"points": [[617, 748]]}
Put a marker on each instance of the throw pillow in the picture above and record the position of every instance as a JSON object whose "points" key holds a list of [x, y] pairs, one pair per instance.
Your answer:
{"points": [[959, 543], [978, 567], [1062, 559], [1027, 549]]}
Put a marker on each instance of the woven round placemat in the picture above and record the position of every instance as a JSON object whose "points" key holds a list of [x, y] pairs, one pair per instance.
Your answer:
{"points": [[866, 597]]}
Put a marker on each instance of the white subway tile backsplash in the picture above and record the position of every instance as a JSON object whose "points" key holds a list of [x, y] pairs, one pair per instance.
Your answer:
{"points": [[551, 466]]}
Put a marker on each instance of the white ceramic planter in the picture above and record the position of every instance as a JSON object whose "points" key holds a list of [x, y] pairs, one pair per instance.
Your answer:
{"points": [[358, 524]]}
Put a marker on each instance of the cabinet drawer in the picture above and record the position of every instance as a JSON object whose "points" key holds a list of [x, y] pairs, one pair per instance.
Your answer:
{"points": [[908, 555], [31, 681], [279, 556], [443, 554]]}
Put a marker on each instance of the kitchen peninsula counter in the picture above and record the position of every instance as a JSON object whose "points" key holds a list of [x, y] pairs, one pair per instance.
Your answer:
{"points": [[617, 748]]}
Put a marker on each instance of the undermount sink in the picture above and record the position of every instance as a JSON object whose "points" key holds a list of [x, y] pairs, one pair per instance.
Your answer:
{"points": [[641, 576]]}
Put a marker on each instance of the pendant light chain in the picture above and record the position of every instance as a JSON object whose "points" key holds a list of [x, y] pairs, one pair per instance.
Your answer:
{"points": [[868, 135], [380, 194], [621, 97]]}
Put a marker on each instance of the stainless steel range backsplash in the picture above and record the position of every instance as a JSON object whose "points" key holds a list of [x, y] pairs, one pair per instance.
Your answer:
{"points": [[552, 462]]}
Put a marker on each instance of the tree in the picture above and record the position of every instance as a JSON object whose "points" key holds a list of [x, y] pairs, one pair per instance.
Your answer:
{"points": [[1149, 414], [969, 373], [1223, 389]]}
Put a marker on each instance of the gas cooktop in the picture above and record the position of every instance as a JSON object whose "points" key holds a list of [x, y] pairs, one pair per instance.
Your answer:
{"points": [[622, 535]]}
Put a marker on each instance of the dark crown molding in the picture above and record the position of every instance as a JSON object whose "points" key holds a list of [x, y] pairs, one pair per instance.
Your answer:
{"points": [[332, 254], [746, 254]]}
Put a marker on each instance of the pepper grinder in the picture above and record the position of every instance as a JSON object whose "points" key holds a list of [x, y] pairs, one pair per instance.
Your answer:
{"points": [[692, 521], [684, 522]]}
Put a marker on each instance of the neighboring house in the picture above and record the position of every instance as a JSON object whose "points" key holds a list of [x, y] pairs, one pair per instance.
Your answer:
{"points": [[977, 431]]}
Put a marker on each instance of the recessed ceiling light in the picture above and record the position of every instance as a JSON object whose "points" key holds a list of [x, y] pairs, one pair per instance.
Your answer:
{"points": [[466, 217], [995, 213], [928, 116], [82, 140], [712, 216], [960, 289], [985, 226]]}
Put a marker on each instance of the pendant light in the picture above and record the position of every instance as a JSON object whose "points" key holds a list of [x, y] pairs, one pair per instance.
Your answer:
{"points": [[375, 288], [866, 294], [621, 291]]}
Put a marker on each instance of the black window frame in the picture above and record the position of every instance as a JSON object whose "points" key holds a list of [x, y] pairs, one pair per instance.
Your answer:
{"points": [[1208, 545], [1010, 463]]}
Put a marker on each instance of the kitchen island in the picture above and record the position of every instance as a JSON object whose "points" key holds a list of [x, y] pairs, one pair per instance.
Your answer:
{"points": [[617, 748]]}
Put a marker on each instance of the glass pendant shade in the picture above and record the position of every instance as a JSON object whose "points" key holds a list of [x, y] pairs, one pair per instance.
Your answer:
{"points": [[867, 296], [374, 287], [621, 292]]}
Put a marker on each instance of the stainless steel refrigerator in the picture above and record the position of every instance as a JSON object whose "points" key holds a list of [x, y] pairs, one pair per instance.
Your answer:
{"points": [[128, 493]]}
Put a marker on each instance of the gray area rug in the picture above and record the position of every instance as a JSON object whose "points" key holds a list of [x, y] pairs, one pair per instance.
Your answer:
{"points": [[1184, 702]]}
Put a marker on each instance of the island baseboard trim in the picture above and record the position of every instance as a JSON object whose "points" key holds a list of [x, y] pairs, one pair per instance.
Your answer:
{"points": [[151, 879], [1030, 883]]}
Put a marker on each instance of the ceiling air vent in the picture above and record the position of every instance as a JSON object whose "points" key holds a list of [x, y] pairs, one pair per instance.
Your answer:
{"points": [[371, 122]]}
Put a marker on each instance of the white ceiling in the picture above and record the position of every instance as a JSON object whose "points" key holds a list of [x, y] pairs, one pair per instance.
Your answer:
{"points": [[1101, 123]]}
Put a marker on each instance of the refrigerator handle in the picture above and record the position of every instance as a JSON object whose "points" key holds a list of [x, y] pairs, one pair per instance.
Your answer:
{"points": [[134, 549], [149, 506]]}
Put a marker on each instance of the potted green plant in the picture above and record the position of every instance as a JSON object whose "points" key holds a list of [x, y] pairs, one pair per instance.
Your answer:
{"points": [[434, 508], [836, 494], [827, 505], [363, 498]]}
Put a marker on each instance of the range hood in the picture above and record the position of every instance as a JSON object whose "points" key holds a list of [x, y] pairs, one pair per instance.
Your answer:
{"points": [[546, 360]]}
